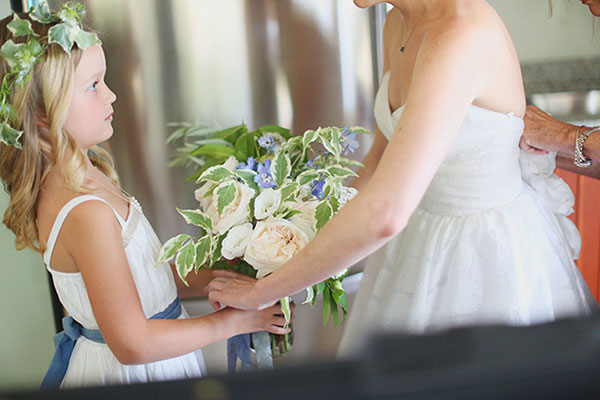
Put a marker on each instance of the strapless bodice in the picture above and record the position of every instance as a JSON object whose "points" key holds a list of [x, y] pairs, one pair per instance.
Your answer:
{"points": [[481, 169]]}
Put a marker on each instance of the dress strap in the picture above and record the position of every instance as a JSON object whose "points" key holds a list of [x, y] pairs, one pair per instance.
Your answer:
{"points": [[62, 215]]}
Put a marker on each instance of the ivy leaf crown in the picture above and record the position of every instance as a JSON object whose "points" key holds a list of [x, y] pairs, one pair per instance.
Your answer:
{"points": [[22, 57]]}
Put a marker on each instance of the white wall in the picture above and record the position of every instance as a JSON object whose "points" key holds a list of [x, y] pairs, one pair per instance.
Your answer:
{"points": [[539, 37]]}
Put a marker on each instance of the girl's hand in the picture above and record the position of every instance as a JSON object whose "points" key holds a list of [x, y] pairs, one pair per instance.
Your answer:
{"points": [[270, 319], [234, 290]]}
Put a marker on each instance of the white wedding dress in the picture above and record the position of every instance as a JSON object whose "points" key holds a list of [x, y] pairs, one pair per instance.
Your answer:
{"points": [[489, 243]]}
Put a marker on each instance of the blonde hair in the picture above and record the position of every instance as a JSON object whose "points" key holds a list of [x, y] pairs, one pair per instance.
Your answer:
{"points": [[40, 107]]}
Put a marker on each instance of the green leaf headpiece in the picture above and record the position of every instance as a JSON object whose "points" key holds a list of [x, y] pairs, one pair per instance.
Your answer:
{"points": [[22, 57]]}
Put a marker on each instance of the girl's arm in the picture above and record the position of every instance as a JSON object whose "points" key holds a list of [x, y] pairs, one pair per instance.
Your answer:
{"points": [[98, 252], [449, 74]]}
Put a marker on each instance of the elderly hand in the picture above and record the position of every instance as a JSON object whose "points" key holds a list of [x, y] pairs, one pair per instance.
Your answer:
{"points": [[543, 133]]}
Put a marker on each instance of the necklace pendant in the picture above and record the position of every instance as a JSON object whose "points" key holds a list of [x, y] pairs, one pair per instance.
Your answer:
{"points": [[402, 49]]}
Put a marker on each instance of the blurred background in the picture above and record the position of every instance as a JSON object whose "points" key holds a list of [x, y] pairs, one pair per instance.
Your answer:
{"points": [[296, 63]]}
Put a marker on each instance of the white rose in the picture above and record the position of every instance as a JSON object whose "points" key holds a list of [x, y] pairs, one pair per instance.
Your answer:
{"points": [[235, 213], [273, 242], [267, 203], [231, 163], [234, 244], [306, 219], [200, 194]]}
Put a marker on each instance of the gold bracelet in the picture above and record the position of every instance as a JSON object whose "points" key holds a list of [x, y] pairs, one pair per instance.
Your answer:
{"points": [[580, 160]]}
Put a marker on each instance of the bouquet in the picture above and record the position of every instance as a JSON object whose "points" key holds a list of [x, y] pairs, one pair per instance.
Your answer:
{"points": [[262, 196]]}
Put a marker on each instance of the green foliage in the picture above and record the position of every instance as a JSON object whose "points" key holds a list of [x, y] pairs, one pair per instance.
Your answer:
{"points": [[171, 247], [298, 165], [226, 194], [198, 218], [22, 57]]}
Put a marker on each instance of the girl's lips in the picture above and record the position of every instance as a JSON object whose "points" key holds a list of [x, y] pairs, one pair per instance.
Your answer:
{"points": [[109, 118]]}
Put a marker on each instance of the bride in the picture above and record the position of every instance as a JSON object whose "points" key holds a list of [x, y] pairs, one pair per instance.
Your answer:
{"points": [[460, 222]]}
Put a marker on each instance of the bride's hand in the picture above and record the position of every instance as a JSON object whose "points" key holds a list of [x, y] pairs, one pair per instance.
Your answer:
{"points": [[231, 289]]}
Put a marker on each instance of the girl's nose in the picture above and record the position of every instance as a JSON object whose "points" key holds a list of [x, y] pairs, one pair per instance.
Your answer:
{"points": [[110, 97]]}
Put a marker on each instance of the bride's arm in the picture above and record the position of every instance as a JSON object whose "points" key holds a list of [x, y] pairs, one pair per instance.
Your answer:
{"points": [[449, 74]]}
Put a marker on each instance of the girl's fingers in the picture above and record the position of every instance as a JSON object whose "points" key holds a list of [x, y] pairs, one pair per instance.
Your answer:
{"points": [[278, 330], [215, 305]]}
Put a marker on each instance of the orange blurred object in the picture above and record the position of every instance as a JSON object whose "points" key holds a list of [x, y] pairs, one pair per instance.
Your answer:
{"points": [[587, 219]]}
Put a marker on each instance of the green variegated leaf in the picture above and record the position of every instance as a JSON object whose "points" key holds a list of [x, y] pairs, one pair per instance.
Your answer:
{"points": [[225, 196], [198, 218], [63, 34], [9, 52], [337, 290], [288, 191], [346, 162], [285, 308], [340, 172], [248, 177], [217, 244], [281, 168], [309, 137], [184, 262], [41, 13], [20, 27], [360, 130], [203, 248], [291, 213], [326, 305], [215, 174], [171, 247], [310, 296], [10, 136], [85, 39], [307, 177], [323, 213], [334, 203], [215, 150]]}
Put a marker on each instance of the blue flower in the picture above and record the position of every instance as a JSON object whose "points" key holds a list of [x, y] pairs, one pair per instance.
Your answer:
{"points": [[267, 142], [317, 189], [348, 141], [249, 164], [264, 179], [310, 164]]}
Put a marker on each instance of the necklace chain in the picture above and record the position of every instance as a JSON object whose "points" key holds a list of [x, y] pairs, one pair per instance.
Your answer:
{"points": [[122, 194], [403, 46]]}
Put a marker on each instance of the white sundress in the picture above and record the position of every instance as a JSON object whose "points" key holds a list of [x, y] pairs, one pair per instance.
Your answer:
{"points": [[92, 363]]}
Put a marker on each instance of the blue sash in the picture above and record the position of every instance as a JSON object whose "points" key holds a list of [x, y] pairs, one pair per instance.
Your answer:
{"points": [[64, 342]]}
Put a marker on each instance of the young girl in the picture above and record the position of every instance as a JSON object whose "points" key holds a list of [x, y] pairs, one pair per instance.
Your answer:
{"points": [[126, 322], [471, 237]]}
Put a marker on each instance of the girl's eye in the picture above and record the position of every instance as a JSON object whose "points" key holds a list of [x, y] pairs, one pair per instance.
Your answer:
{"points": [[93, 87]]}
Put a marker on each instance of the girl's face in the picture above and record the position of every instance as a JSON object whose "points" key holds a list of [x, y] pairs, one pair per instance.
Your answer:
{"points": [[90, 111], [594, 6]]}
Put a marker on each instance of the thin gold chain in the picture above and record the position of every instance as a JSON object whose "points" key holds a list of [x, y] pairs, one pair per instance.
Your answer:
{"points": [[402, 47], [123, 194]]}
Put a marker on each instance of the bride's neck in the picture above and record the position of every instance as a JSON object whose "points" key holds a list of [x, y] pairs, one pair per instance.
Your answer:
{"points": [[412, 10]]}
